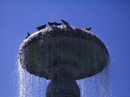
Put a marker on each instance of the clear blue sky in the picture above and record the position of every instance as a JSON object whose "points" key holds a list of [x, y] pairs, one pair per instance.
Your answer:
{"points": [[109, 19]]}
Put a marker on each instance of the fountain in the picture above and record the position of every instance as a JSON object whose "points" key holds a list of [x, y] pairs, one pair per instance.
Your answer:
{"points": [[63, 55]]}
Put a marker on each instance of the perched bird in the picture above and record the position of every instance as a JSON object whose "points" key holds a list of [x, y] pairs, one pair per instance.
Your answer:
{"points": [[88, 28], [51, 23], [27, 35], [57, 24], [41, 27], [65, 23]]}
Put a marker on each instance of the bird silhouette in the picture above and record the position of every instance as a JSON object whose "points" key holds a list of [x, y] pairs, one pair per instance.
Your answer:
{"points": [[51, 23], [57, 24], [88, 28], [65, 23], [41, 27], [27, 35]]}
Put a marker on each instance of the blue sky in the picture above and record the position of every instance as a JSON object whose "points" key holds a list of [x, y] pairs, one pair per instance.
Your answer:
{"points": [[109, 19]]}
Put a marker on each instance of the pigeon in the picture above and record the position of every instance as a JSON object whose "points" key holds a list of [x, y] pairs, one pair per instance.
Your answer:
{"points": [[65, 23], [88, 28], [51, 23], [57, 24], [41, 27], [27, 35]]}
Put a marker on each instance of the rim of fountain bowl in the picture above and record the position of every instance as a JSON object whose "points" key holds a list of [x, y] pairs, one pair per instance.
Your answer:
{"points": [[73, 32]]}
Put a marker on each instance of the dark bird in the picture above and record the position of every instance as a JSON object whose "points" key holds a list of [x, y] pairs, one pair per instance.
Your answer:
{"points": [[88, 28], [57, 24], [65, 23], [51, 23], [41, 27], [27, 35]]}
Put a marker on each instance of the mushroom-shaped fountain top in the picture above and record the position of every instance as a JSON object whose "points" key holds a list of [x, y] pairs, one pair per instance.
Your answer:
{"points": [[55, 50]]}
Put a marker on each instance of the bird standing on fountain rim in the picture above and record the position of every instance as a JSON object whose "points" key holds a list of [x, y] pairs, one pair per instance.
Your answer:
{"points": [[27, 35], [67, 25], [88, 29], [41, 27]]}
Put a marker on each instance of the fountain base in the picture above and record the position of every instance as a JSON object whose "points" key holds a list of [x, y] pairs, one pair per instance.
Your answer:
{"points": [[63, 85]]}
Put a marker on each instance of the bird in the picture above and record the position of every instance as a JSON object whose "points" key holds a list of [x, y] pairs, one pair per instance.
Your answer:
{"points": [[27, 35], [41, 27], [88, 28], [51, 23], [65, 23], [57, 24]]}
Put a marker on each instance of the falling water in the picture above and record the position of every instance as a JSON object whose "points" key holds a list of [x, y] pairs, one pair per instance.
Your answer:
{"points": [[33, 86], [95, 86], [30, 85]]}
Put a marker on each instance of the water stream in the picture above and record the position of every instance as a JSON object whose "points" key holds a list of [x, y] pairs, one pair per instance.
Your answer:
{"points": [[33, 86]]}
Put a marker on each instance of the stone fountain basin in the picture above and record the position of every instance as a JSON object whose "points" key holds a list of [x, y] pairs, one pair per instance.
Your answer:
{"points": [[55, 50]]}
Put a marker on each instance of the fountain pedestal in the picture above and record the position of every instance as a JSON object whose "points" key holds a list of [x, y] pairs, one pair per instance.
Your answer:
{"points": [[63, 85]]}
